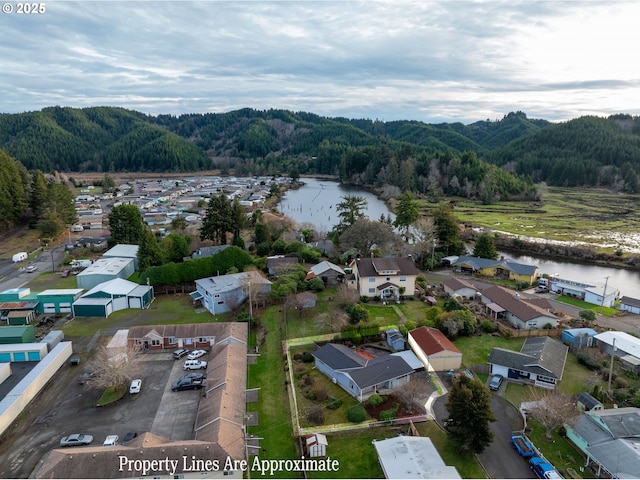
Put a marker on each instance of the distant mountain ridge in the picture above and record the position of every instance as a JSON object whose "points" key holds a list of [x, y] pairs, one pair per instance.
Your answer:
{"points": [[602, 151]]}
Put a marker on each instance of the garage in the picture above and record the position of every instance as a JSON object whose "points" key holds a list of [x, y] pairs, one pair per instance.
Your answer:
{"points": [[48, 308], [108, 297], [58, 300]]}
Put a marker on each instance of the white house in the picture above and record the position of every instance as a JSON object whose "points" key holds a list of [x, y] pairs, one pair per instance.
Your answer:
{"points": [[387, 278], [227, 292]]}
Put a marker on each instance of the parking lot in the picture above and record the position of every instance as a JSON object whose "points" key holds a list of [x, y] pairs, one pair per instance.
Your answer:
{"points": [[65, 407]]}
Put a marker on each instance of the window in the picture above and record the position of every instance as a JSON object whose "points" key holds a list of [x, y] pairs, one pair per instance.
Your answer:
{"points": [[203, 339], [372, 279], [388, 279], [403, 278], [155, 342], [372, 290], [221, 302], [172, 340]]}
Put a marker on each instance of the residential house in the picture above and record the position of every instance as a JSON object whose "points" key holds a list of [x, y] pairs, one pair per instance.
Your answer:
{"points": [[434, 349], [191, 336], [621, 345], [540, 361], [111, 296], [412, 457], [455, 287], [360, 373], [329, 273], [591, 292], [629, 304], [502, 268], [609, 439], [225, 293], [386, 278], [520, 311]]}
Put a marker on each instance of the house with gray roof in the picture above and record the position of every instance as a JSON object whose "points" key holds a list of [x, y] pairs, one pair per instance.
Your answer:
{"points": [[502, 268], [517, 309], [630, 304], [224, 293], [387, 278], [457, 287], [329, 273], [609, 438], [540, 362], [360, 373]]}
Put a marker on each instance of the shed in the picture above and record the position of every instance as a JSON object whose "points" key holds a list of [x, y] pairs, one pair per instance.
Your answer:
{"points": [[14, 294], [17, 334], [20, 317], [587, 402], [579, 337], [317, 445], [111, 296], [57, 300], [395, 339], [629, 304]]}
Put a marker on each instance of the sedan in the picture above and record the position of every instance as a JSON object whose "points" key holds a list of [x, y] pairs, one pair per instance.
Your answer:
{"points": [[196, 354], [495, 382], [31, 268], [76, 439], [135, 386]]}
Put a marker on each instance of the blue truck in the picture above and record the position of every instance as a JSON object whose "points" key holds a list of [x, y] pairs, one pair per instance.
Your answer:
{"points": [[543, 469], [522, 445]]}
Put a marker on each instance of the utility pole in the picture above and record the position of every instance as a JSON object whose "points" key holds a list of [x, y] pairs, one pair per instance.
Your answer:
{"points": [[604, 293]]}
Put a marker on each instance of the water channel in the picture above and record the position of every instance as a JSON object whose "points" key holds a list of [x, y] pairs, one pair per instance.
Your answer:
{"points": [[314, 203]]}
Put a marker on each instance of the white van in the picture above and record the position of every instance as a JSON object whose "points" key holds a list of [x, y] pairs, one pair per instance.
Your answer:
{"points": [[78, 228], [20, 256]]}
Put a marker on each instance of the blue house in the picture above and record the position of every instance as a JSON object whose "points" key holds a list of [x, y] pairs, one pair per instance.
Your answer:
{"points": [[225, 293], [359, 373]]}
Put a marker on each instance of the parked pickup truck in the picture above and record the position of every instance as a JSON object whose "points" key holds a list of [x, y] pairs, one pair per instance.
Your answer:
{"points": [[522, 445], [543, 469]]}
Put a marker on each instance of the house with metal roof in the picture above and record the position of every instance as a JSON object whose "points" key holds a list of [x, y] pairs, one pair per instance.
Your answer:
{"points": [[329, 273], [592, 292], [436, 352], [630, 304], [224, 293], [360, 373], [111, 296], [517, 309], [57, 300], [540, 362], [387, 278], [609, 438]]}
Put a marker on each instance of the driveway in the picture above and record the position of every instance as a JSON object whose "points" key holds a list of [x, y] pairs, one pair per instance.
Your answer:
{"points": [[500, 460]]}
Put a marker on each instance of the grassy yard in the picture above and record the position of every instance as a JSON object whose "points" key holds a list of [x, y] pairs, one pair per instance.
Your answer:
{"points": [[268, 375], [414, 310], [476, 349], [383, 314], [606, 311]]}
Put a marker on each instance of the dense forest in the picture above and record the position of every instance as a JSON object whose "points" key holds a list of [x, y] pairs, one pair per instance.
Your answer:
{"points": [[486, 160]]}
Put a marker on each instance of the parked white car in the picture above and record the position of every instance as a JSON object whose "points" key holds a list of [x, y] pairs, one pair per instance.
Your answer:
{"points": [[110, 441], [135, 386], [194, 365], [196, 354]]}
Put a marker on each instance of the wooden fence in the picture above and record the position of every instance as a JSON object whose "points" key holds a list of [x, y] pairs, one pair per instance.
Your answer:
{"points": [[532, 332]]}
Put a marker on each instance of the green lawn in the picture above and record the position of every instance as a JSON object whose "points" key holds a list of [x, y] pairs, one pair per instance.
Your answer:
{"points": [[476, 349], [383, 314], [606, 311], [414, 310], [268, 375]]}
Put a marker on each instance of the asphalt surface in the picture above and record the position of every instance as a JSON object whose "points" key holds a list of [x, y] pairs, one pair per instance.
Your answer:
{"points": [[500, 459], [65, 407]]}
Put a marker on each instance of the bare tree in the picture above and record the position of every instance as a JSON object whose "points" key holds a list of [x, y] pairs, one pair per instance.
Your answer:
{"points": [[364, 234], [346, 296], [117, 366], [413, 391], [552, 409]]}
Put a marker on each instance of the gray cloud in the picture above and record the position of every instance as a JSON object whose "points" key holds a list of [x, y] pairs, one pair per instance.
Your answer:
{"points": [[432, 61]]}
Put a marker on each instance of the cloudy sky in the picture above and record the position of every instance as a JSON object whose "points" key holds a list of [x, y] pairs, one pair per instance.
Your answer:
{"points": [[428, 60]]}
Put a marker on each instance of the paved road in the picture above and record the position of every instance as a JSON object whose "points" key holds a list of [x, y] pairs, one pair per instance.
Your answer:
{"points": [[14, 276], [500, 460]]}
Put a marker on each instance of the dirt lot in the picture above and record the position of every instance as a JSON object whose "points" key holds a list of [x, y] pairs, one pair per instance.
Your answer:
{"points": [[65, 407]]}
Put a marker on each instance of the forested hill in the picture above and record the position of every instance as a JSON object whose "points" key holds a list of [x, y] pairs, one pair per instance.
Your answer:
{"points": [[584, 151], [95, 139]]}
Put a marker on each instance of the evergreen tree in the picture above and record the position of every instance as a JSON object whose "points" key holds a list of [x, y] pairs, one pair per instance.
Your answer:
{"points": [[238, 218], [38, 198], [407, 212], [469, 408], [125, 225], [447, 230], [485, 247], [350, 209], [218, 220], [149, 253], [175, 247]]}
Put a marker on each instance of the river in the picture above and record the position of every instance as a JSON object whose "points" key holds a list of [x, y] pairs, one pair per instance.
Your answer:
{"points": [[314, 203]]}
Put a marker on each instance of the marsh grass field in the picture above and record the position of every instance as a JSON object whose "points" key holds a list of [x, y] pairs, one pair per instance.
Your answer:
{"points": [[600, 217]]}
